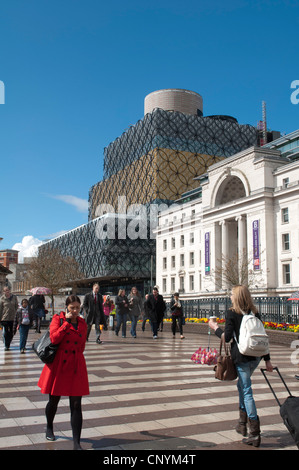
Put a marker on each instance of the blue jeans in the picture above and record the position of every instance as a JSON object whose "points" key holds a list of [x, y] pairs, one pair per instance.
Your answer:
{"points": [[23, 330], [246, 400], [133, 325], [38, 314], [121, 319]]}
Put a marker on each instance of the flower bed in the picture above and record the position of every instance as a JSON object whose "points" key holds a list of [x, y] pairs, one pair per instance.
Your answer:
{"points": [[282, 326], [294, 328], [202, 320], [280, 333], [268, 325]]}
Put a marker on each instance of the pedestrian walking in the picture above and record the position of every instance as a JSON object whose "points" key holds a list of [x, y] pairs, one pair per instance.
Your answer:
{"points": [[23, 322], [176, 314], [145, 313], [37, 305], [242, 304], [135, 307], [112, 317], [156, 308], [108, 306], [67, 374], [122, 310], [8, 309], [93, 308]]}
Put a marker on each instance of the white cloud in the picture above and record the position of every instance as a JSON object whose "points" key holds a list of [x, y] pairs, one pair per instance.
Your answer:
{"points": [[56, 234], [27, 247], [80, 204]]}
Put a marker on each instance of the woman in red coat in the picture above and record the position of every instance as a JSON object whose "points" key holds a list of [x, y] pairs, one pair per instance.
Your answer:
{"points": [[67, 374]]}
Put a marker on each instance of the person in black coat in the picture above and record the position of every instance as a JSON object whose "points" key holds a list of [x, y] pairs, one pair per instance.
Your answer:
{"points": [[176, 314], [156, 307], [145, 314], [37, 305], [122, 310], [94, 314]]}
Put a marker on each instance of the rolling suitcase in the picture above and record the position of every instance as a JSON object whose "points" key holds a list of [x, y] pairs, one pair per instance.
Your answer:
{"points": [[289, 409]]}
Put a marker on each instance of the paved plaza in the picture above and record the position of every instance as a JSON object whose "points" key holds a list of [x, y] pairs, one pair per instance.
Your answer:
{"points": [[145, 394]]}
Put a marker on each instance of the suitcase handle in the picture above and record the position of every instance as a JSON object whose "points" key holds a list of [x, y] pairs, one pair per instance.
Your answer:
{"points": [[271, 388]]}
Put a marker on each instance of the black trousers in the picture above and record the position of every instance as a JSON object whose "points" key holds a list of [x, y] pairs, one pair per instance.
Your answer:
{"points": [[176, 319], [96, 321], [7, 332]]}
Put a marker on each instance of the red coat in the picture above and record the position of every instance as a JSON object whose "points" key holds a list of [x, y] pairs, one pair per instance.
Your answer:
{"points": [[67, 374]]}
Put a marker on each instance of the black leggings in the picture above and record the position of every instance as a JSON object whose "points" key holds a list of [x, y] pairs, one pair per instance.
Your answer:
{"points": [[76, 415], [173, 326]]}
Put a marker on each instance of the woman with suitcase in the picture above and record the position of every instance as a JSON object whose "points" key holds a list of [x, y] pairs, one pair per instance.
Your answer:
{"points": [[242, 304]]}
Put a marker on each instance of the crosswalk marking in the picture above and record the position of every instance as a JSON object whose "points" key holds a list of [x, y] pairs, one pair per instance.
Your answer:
{"points": [[144, 394]]}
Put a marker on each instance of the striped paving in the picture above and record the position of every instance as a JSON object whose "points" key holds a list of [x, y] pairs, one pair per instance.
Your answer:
{"points": [[145, 394]]}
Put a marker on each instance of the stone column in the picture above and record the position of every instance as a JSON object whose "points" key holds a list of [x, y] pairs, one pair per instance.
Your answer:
{"points": [[241, 219], [224, 247], [242, 246]]}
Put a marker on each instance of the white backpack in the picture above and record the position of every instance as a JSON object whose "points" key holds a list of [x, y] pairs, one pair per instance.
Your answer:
{"points": [[253, 340]]}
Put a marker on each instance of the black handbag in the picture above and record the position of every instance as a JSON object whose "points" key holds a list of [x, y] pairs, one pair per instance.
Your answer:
{"points": [[44, 349]]}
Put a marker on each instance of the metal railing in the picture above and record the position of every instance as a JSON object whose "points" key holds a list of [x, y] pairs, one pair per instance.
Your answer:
{"points": [[271, 309]]}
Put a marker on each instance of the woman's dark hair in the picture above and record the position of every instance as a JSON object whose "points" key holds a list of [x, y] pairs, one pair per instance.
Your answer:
{"points": [[72, 298], [137, 293]]}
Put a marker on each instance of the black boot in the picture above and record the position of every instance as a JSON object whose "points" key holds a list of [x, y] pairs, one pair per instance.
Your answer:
{"points": [[49, 434], [241, 427], [254, 438]]}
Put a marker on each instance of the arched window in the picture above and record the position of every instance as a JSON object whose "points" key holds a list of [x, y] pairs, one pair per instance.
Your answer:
{"points": [[231, 188]]}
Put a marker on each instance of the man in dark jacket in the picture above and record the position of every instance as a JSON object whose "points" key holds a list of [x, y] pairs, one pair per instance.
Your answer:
{"points": [[8, 308], [156, 308], [37, 305], [94, 314]]}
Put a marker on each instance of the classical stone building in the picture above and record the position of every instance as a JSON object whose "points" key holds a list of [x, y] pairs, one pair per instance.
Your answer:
{"points": [[244, 210]]}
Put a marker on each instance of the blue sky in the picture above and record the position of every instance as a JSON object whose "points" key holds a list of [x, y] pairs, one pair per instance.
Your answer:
{"points": [[76, 73]]}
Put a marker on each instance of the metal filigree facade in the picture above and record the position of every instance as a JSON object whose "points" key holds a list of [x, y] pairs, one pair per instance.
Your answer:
{"points": [[158, 158], [107, 258]]}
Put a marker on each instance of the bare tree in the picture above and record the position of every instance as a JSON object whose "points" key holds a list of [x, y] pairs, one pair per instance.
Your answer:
{"points": [[235, 271], [50, 269]]}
